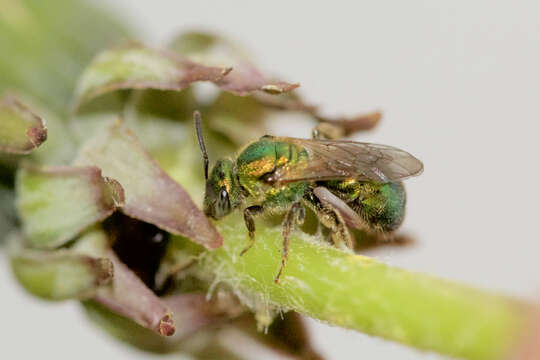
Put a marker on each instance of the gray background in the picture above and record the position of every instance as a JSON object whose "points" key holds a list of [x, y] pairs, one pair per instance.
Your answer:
{"points": [[458, 85]]}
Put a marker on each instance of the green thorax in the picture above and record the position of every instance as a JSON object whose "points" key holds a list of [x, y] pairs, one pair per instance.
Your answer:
{"points": [[262, 157]]}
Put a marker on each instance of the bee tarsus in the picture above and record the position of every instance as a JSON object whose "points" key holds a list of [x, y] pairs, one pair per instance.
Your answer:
{"points": [[295, 216], [249, 214]]}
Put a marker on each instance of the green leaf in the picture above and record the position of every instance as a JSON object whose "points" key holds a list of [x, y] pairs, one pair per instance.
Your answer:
{"points": [[21, 130], [60, 275], [162, 120], [229, 113], [125, 329], [139, 67], [45, 45], [57, 203], [130, 297], [212, 50], [59, 149], [127, 295], [151, 195], [205, 331]]}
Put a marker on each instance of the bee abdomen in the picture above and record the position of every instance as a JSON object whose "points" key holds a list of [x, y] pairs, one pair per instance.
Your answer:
{"points": [[384, 208]]}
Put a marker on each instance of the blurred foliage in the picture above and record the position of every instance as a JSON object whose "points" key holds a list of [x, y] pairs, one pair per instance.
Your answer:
{"points": [[57, 203], [49, 43], [60, 275], [22, 130]]}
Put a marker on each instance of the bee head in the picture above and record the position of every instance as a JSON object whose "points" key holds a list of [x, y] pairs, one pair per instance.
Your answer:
{"points": [[222, 188], [221, 194]]}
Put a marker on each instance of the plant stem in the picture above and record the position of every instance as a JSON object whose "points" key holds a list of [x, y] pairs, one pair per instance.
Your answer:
{"points": [[360, 293]]}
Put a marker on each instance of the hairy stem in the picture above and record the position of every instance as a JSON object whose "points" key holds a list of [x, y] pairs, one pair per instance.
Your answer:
{"points": [[360, 293]]}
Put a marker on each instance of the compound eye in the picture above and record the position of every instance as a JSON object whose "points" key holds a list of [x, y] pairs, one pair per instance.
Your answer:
{"points": [[223, 195], [224, 201]]}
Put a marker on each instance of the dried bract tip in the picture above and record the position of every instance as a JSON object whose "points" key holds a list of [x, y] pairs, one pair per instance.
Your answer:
{"points": [[166, 326], [105, 270]]}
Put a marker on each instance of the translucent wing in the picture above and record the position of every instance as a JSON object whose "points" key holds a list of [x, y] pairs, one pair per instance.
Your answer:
{"points": [[341, 159]]}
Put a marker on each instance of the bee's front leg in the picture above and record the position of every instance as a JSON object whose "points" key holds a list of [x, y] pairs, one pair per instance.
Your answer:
{"points": [[295, 215], [249, 214]]}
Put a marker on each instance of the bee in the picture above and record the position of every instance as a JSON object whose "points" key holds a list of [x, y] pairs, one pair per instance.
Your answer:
{"points": [[345, 183]]}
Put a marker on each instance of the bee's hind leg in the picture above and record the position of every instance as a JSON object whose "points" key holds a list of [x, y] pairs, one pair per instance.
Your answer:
{"points": [[331, 218], [249, 214], [340, 234], [295, 215]]}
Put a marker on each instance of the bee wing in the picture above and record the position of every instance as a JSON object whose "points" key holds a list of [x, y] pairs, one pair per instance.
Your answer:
{"points": [[351, 218], [341, 159]]}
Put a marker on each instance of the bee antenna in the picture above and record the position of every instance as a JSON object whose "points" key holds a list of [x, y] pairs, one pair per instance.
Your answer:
{"points": [[198, 127]]}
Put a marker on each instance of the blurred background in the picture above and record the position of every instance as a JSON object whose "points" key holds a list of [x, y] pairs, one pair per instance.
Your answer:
{"points": [[458, 85]]}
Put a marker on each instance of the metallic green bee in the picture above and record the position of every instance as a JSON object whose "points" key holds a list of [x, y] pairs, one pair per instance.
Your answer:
{"points": [[345, 183]]}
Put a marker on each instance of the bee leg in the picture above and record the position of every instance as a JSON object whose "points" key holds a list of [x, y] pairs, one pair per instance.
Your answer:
{"points": [[249, 214], [343, 235], [340, 232], [295, 215], [331, 219]]}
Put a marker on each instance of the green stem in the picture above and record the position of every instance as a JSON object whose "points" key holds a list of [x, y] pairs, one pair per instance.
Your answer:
{"points": [[360, 293]]}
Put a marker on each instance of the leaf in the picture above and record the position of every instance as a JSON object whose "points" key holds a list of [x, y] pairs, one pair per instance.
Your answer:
{"points": [[229, 114], [21, 130], [57, 203], [59, 148], [128, 296], [212, 50], [162, 121], [192, 325], [194, 311], [125, 329], [139, 67], [151, 195], [337, 126], [47, 44], [92, 117], [60, 275]]}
